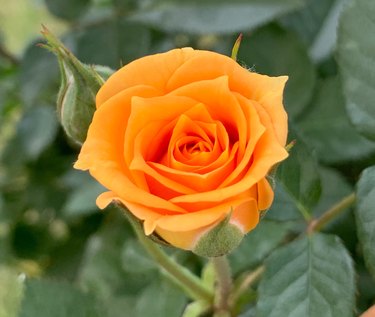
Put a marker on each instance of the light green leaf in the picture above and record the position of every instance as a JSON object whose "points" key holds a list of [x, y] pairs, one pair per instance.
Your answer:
{"points": [[43, 298], [196, 309], [298, 185], [356, 57], [365, 216], [327, 129], [207, 16], [67, 9], [258, 52], [310, 277], [257, 245], [11, 290]]}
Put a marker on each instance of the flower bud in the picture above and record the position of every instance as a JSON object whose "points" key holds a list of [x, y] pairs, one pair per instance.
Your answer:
{"points": [[78, 88], [219, 240]]}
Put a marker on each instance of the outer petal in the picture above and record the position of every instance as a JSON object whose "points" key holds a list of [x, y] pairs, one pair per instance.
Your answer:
{"points": [[153, 70], [102, 152]]}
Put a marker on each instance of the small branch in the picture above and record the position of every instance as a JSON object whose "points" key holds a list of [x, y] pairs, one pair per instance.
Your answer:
{"points": [[224, 283], [190, 283], [8, 56], [247, 282], [330, 214]]}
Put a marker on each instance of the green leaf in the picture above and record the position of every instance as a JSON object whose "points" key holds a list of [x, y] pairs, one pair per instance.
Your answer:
{"points": [[334, 188], [160, 299], [102, 271], [11, 290], [356, 57], [208, 16], [327, 129], [258, 52], [308, 20], [39, 77], [67, 9], [196, 309], [43, 298], [257, 245], [310, 277], [365, 216], [135, 259], [316, 24], [35, 131], [82, 199], [114, 43], [298, 185]]}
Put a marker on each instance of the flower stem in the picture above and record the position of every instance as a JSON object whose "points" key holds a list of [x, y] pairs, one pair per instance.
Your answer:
{"points": [[332, 213], [224, 285], [189, 282]]}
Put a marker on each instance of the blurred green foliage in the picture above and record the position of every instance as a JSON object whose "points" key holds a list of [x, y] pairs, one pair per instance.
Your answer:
{"points": [[60, 256]]}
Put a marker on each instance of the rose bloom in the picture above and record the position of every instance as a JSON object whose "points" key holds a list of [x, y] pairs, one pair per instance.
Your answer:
{"points": [[185, 138]]}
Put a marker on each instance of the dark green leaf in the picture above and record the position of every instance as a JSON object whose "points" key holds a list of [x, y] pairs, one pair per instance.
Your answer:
{"points": [[334, 188], [365, 216], [327, 128], [112, 44], [135, 258], [43, 298], [11, 290], [316, 23], [308, 20], [257, 245], [39, 75], [297, 185], [67, 9], [258, 52], [82, 199], [102, 270], [310, 277], [207, 16], [160, 299], [36, 130], [356, 57]]}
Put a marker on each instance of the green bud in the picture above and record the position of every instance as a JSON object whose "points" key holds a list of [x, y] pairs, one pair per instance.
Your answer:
{"points": [[79, 86], [220, 240]]}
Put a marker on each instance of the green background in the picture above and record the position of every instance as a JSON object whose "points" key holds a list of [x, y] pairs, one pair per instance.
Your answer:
{"points": [[60, 256]]}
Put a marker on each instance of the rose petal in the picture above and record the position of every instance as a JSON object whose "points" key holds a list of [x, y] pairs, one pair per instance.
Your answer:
{"points": [[153, 70], [102, 153], [268, 91]]}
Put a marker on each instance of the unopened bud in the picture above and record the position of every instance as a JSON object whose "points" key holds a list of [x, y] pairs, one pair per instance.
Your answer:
{"points": [[78, 88]]}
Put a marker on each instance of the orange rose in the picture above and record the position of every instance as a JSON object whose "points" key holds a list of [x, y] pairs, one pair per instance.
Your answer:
{"points": [[184, 139]]}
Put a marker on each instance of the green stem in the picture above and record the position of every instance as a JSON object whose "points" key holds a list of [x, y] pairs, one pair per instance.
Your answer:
{"points": [[184, 278], [332, 213], [247, 282], [224, 284]]}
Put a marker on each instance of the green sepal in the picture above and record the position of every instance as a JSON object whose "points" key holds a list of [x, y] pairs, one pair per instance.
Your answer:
{"points": [[220, 240]]}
